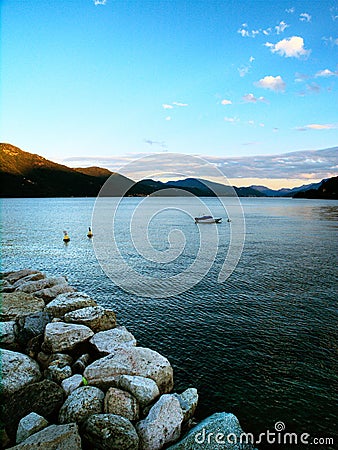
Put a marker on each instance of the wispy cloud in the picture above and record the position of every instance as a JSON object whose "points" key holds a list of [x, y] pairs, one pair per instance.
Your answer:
{"points": [[231, 119], [168, 118], [292, 47], [245, 69], [226, 102], [334, 13], [305, 17], [275, 84], [330, 40], [282, 26], [326, 73], [307, 164], [167, 106], [161, 144], [290, 10], [180, 104], [250, 98], [318, 126], [301, 77], [99, 2]]}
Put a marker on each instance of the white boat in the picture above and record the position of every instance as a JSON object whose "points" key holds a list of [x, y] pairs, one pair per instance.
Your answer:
{"points": [[208, 219]]}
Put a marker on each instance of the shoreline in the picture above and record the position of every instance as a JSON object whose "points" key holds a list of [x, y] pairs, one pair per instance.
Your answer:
{"points": [[77, 369]]}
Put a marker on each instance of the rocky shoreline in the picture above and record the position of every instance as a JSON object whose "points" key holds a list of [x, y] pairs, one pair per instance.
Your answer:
{"points": [[71, 378]]}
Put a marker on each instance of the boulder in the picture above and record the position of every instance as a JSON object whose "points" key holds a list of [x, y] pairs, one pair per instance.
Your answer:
{"points": [[30, 424], [81, 403], [54, 437], [32, 277], [70, 384], [57, 372], [212, 433], [60, 336], [110, 432], [131, 361], [30, 326], [44, 398], [13, 277], [106, 342], [34, 286], [71, 301], [94, 317], [61, 359], [188, 401], [121, 403], [81, 363], [50, 293], [18, 304], [8, 335], [18, 370], [162, 425], [143, 389]]}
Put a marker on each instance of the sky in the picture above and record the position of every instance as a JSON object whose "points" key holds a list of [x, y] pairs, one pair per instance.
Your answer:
{"points": [[100, 82]]}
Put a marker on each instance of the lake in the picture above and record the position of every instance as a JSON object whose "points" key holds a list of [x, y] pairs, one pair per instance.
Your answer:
{"points": [[262, 344]]}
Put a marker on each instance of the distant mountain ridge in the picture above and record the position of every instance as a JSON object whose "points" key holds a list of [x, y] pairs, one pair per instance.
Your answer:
{"points": [[25, 174]]}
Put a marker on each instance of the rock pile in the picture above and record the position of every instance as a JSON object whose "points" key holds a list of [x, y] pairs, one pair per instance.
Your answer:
{"points": [[71, 378]]}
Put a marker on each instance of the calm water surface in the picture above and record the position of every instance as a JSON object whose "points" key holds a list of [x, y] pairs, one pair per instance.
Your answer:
{"points": [[261, 345]]}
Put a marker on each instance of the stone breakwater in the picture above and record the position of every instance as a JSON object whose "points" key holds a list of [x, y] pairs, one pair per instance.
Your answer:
{"points": [[71, 378]]}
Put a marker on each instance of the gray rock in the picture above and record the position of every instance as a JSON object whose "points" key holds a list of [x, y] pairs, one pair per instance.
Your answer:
{"points": [[203, 435], [61, 359], [50, 293], [30, 424], [32, 277], [57, 373], [70, 384], [18, 304], [71, 301], [60, 336], [188, 401], [94, 317], [81, 363], [30, 326], [110, 432], [162, 425], [106, 342], [18, 370], [131, 361], [8, 335], [34, 286], [54, 437], [81, 403], [6, 286], [121, 403], [44, 398], [13, 277], [143, 389]]}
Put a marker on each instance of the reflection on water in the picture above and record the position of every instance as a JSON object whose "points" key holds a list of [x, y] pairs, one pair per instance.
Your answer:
{"points": [[261, 345]]}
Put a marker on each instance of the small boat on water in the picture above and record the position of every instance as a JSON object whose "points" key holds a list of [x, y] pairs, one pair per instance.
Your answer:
{"points": [[66, 238], [208, 219]]}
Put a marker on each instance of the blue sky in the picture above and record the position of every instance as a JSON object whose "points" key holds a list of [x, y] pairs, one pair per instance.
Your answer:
{"points": [[105, 80]]}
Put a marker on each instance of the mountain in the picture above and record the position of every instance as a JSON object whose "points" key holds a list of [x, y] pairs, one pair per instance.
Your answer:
{"points": [[25, 174], [285, 192], [328, 189]]}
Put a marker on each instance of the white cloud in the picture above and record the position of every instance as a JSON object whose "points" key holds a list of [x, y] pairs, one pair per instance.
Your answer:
{"points": [[244, 70], [300, 77], [251, 59], [99, 2], [168, 118], [250, 98], [243, 31], [331, 40], [292, 47], [318, 126], [275, 84], [226, 102], [281, 27], [305, 17], [166, 106], [334, 13], [231, 119], [326, 73], [290, 10], [180, 104], [267, 31], [262, 125]]}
